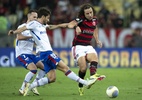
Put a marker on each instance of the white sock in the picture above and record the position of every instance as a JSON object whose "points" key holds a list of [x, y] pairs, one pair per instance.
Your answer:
{"points": [[23, 86], [28, 77], [39, 82], [74, 77], [39, 75]]}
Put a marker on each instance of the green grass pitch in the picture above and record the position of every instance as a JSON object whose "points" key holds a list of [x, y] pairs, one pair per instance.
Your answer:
{"points": [[128, 81]]}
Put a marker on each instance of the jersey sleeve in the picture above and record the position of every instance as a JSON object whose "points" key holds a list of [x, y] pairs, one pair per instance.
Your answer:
{"points": [[31, 25], [78, 20]]}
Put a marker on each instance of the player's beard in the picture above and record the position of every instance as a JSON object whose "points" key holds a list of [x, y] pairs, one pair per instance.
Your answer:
{"points": [[90, 18]]}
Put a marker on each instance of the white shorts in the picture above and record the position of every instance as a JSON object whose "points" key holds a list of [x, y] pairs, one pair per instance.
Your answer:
{"points": [[79, 51]]}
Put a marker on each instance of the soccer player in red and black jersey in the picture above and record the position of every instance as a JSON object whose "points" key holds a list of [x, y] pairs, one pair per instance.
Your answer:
{"points": [[86, 29]]}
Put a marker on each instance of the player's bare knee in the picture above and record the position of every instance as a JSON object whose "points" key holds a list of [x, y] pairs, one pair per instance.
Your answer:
{"points": [[82, 67], [83, 70]]}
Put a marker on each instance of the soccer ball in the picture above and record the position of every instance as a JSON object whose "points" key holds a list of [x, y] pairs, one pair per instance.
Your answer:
{"points": [[112, 91]]}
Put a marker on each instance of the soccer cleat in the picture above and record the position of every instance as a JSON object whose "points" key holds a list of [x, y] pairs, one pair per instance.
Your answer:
{"points": [[98, 76], [90, 82], [34, 90], [26, 90], [21, 91], [81, 91]]}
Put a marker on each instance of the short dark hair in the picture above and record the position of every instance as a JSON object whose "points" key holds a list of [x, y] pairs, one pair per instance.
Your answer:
{"points": [[83, 7], [43, 11], [32, 10]]}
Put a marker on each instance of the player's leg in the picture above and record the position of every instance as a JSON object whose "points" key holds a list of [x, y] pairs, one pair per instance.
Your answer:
{"points": [[70, 74], [79, 54], [48, 68], [43, 81], [40, 73], [92, 58], [52, 61], [21, 90], [27, 64], [29, 76], [81, 73], [51, 77]]}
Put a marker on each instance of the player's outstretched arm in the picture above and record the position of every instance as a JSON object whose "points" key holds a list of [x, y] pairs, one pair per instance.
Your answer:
{"points": [[73, 24], [51, 27], [18, 31]]}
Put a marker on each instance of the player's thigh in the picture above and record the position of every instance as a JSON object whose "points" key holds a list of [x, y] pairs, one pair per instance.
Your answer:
{"points": [[52, 75], [32, 66], [40, 65], [82, 63], [92, 57], [62, 66]]}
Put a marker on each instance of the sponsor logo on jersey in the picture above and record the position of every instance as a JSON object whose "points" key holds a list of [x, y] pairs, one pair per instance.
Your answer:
{"points": [[88, 31], [43, 32]]}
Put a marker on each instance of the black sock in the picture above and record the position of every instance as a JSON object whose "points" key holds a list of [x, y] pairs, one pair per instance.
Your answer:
{"points": [[81, 75], [93, 67]]}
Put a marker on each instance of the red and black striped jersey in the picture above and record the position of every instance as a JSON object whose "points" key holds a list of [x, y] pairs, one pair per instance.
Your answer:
{"points": [[87, 30]]}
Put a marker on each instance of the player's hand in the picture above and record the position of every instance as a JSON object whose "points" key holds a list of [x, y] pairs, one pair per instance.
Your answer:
{"points": [[10, 32], [99, 43], [78, 30]]}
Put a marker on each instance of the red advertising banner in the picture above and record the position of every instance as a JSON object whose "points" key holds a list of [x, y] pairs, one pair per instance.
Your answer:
{"points": [[62, 38]]}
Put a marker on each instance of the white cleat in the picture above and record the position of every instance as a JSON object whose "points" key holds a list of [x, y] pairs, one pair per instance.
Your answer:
{"points": [[21, 91], [35, 91], [91, 82], [26, 90]]}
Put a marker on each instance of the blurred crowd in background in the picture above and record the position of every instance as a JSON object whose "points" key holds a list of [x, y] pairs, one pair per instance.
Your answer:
{"points": [[110, 13]]}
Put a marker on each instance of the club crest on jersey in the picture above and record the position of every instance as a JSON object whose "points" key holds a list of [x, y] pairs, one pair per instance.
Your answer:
{"points": [[94, 23]]}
